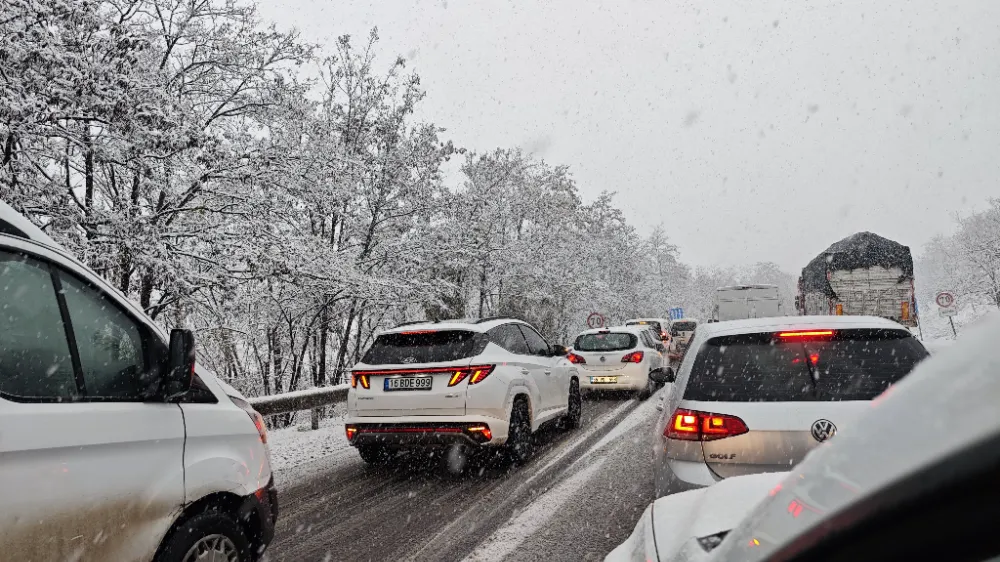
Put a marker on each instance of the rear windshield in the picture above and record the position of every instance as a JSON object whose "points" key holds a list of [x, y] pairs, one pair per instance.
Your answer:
{"points": [[423, 347], [849, 365], [612, 341], [677, 327]]}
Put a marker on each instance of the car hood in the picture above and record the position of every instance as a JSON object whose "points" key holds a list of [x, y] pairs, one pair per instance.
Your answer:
{"points": [[679, 520]]}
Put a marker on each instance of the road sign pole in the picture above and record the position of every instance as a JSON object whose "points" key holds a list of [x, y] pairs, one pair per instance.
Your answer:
{"points": [[952, 322]]}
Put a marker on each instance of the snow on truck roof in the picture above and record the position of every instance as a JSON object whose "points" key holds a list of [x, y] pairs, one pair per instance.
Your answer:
{"points": [[773, 323]]}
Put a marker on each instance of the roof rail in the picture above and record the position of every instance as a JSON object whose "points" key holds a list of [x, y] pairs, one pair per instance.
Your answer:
{"points": [[492, 318]]}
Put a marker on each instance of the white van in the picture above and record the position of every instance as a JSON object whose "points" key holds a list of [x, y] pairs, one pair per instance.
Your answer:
{"points": [[114, 445]]}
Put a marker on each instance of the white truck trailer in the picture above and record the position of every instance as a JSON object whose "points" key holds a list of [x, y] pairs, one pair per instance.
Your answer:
{"points": [[861, 275], [746, 301]]}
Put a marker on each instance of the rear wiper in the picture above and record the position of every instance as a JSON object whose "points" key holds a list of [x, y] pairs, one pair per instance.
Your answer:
{"points": [[813, 375]]}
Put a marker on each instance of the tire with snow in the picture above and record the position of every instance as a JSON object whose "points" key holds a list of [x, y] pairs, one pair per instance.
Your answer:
{"points": [[518, 447], [575, 410], [210, 535], [376, 455]]}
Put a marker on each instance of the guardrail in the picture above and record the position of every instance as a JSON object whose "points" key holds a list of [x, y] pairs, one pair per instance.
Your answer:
{"points": [[308, 399]]}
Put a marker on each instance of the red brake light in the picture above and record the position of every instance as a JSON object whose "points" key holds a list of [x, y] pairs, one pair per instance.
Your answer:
{"points": [[691, 425], [634, 357], [351, 431], [574, 358], [258, 420], [475, 374], [806, 334], [362, 377]]}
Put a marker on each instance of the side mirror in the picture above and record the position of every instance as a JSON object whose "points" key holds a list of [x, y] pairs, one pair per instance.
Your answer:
{"points": [[662, 376], [559, 351], [180, 371]]}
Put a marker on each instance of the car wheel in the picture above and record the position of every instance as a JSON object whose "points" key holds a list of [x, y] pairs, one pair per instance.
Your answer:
{"points": [[575, 409], [376, 454], [211, 535], [518, 447]]}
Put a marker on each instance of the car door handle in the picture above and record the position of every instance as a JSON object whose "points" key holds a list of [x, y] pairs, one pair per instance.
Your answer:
{"points": [[548, 371], [524, 371]]}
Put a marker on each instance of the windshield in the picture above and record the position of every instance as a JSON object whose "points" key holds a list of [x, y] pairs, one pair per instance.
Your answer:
{"points": [[613, 341], [473, 202], [850, 365], [678, 327], [423, 347]]}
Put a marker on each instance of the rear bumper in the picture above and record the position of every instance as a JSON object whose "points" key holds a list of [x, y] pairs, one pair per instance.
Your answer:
{"points": [[630, 377], [427, 431]]}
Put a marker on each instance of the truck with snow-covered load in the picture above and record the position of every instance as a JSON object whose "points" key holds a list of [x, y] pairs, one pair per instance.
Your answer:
{"points": [[861, 275]]}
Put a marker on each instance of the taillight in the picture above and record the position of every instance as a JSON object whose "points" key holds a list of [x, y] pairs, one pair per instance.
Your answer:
{"points": [[360, 377], [577, 359], [806, 334], [634, 357], [692, 425], [475, 374], [258, 420], [351, 431]]}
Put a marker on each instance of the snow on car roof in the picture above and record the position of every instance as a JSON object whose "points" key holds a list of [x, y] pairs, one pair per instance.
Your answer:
{"points": [[772, 323], [27, 228], [635, 329], [945, 406]]}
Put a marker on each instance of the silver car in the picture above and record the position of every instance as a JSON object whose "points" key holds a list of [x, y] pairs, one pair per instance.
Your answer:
{"points": [[757, 395]]}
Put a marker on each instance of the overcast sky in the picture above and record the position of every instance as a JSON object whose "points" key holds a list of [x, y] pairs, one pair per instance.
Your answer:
{"points": [[753, 131]]}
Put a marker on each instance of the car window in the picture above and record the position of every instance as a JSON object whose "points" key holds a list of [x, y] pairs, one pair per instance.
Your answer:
{"points": [[679, 327], [35, 359], [423, 346], [606, 341], [109, 342], [763, 367], [509, 337], [536, 343]]}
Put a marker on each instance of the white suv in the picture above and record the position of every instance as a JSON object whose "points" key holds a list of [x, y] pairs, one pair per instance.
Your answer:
{"points": [[466, 385], [114, 445]]}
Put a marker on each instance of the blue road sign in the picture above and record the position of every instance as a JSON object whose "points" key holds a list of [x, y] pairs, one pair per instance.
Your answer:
{"points": [[676, 313]]}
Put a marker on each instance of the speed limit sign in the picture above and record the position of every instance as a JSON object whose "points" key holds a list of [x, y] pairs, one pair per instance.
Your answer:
{"points": [[946, 302], [945, 299], [595, 320]]}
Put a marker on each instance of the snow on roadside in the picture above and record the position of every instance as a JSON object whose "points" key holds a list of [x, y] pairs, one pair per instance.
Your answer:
{"points": [[296, 445]]}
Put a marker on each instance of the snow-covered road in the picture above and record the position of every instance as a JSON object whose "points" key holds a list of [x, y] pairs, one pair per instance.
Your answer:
{"points": [[578, 497]]}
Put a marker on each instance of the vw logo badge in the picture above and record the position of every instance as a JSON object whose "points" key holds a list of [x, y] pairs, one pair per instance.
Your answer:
{"points": [[602, 359], [822, 430]]}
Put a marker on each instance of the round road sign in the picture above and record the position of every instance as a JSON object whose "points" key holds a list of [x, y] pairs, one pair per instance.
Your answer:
{"points": [[595, 320], [945, 299]]}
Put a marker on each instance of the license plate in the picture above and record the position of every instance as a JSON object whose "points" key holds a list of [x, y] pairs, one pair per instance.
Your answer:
{"points": [[603, 380], [408, 383]]}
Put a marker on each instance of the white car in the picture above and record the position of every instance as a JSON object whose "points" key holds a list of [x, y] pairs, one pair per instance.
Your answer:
{"points": [[618, 358], [913, 478], [661, 326], [114, 445], [464, 385], [757, 395]]}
